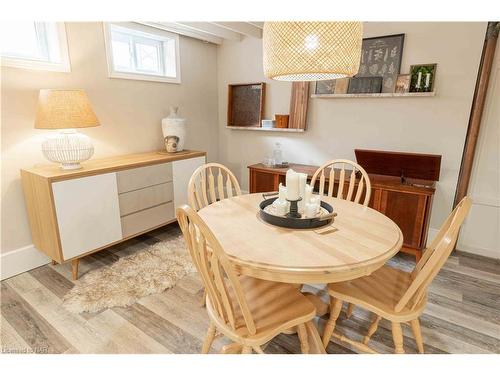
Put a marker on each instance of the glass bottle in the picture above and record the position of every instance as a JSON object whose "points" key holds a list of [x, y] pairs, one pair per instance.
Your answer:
{"points": [[277, 154]]}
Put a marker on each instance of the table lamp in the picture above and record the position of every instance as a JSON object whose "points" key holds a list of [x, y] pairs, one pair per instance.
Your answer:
{"points": [[66, 110]]}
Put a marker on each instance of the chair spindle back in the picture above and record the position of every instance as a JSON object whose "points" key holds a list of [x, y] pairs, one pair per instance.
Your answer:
{"points": [[215, 269], [209, 183], [354, 192], [435, 256]]}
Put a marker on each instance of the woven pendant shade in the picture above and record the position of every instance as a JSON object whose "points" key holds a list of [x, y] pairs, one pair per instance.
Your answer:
{"points": [[311, 51]]}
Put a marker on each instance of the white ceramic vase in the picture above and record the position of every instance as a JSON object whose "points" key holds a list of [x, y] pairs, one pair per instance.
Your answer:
{"points": [[174, 131]]}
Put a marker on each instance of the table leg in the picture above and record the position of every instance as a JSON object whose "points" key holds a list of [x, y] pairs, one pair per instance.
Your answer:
{"points": [[321, 307]]}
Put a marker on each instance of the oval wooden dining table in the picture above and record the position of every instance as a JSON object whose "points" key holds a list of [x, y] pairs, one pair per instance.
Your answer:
{"points": [[359, 241]]}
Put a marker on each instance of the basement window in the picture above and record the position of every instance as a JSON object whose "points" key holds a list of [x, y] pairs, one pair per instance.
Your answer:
{"points": [[34, 45], [140, 52]]}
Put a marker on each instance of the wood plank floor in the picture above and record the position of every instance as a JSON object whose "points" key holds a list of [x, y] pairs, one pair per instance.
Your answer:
{"points": [[462, 316]]}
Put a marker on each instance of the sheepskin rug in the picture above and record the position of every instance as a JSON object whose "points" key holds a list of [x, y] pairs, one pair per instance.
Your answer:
{"points": [[122, 283]]}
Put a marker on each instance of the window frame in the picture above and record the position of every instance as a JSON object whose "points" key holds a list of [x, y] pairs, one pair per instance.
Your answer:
{"points": [[160, 35], [27, 63]]}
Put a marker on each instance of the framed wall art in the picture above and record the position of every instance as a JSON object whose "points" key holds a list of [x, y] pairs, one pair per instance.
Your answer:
{"points": [[325, 87], [381, 56], [245, 105], [402, 84], [365, 85], [422, 77]]}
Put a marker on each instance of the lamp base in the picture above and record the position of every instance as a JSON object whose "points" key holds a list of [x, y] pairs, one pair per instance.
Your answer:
{"points": [[68, 148], [70, 166]]}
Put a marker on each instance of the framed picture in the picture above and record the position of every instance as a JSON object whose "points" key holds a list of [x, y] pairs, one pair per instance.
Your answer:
{"points": [[341, 85], [402, 84], [245, 104], [365, 85], [422, 77], [381, 57], [325, 87]]}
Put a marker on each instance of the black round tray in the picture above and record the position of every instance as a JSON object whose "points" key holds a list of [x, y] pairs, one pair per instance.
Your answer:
{"points": [[296, 223]]}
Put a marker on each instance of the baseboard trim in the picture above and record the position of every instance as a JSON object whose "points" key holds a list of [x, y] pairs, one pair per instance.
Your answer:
{"points": [[478, 251], [21, 260]]}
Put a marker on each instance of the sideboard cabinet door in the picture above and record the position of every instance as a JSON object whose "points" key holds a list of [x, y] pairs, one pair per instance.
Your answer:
{"points": [[88, 213], [407, 210], [182, 171]]}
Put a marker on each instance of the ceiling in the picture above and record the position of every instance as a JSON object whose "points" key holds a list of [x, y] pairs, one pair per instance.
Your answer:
{"points": [[212, 32]]}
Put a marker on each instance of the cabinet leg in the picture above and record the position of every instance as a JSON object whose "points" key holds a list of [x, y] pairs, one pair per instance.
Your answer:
{"points": [[74, 268], [418, 255], [54, 263]]}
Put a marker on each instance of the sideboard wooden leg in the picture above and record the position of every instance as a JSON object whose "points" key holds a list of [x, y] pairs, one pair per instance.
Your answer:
{"points": [[74, 268], [53, 262]]}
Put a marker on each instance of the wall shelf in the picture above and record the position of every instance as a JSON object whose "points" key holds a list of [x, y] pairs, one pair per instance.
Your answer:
{"points": [[378, 95], [284, 130]]}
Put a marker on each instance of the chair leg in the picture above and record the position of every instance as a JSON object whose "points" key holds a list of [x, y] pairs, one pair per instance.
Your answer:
{"points": [[372, 329], [233, 348], [246, 350], [204, 298], [335, 307], [415, 327], [350, 307], [397, 336], [209, 338], [257, 349], [304, 341]]}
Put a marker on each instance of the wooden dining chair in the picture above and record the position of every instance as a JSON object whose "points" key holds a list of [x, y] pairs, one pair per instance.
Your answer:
{"points": [[394, 294], [210, 183], [354, 190], [248, 311]]}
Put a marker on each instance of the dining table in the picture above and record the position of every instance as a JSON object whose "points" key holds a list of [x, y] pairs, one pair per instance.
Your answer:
{"points": [[356, 243]]}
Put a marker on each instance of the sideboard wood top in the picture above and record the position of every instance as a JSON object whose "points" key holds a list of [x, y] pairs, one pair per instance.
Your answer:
{"points": [[377, 180], [111, 164]]}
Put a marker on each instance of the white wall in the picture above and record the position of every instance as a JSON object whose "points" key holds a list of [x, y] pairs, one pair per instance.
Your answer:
{"points": [[336, 127], [130, 112], [481, 231]]}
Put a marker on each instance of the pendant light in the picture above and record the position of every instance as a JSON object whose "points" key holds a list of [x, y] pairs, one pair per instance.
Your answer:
{"points": [[311, 51]]}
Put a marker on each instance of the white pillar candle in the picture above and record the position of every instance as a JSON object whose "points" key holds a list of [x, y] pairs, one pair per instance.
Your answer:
{"points": [[292, 185], [281, 208], [427, 79], [281, 193], [316, 200], [302, 191], [310, 210], [419, 79], [308, 193]]}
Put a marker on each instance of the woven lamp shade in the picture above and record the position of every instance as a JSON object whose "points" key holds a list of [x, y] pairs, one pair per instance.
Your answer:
{"points": [[311, 51], [64, 109]]}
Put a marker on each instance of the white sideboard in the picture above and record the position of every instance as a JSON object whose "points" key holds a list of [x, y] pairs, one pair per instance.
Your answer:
{"points": [[75, 213]]}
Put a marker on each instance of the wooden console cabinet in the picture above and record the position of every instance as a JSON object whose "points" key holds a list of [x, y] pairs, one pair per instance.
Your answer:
{"points": [[407, 204], [75, 213]]}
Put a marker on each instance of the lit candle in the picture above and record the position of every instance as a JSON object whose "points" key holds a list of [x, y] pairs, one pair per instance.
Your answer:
{"points": [[427, 80], [292, 185], [419, 79], [281, 193]]}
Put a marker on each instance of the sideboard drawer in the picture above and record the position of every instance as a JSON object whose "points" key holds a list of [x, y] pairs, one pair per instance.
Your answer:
{"points": [[137, 200], [147, 219], [138, 178]]}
